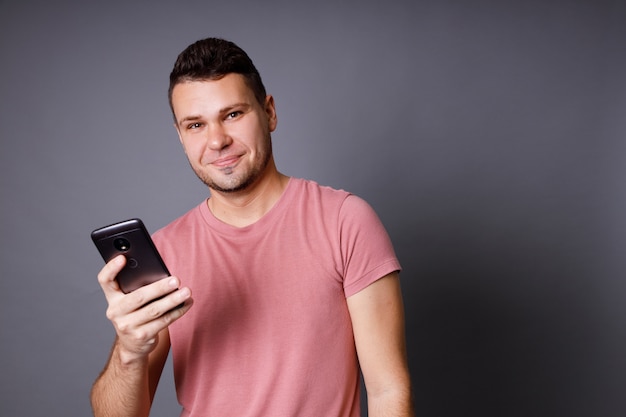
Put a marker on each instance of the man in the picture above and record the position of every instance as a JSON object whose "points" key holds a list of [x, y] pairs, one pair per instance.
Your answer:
{"points": [[294, 285]]}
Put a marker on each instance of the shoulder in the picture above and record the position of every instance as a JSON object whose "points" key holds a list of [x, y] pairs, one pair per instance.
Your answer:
{"points": [[329, 200], [311, 191]]}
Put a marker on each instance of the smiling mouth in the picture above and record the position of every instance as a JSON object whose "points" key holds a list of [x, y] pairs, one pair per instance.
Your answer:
{"points": [[226, 163]]}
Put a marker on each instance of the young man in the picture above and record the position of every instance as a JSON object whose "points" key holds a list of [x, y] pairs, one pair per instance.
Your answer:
{"points": [[295, 285]]}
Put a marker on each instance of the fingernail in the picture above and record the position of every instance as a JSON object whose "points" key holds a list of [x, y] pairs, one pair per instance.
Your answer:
{"points": [[173, 283]]}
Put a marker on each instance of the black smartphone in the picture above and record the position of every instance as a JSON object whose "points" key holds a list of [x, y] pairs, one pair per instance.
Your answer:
{"points": [[143, 266]]}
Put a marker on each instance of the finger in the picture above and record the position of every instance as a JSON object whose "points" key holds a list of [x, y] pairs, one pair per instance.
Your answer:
{"points": [[107, 275], [147, 294], [177, 312], [163, 306], [142, 325]]}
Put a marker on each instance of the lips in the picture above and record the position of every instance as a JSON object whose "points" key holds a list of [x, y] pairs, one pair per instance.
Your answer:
{"points": [[226, 161]]}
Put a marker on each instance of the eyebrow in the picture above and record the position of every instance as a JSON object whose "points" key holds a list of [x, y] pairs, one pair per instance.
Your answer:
{"points": [[188, 119]]}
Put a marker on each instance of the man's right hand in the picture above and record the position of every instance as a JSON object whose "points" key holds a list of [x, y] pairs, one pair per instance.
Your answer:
{"points": [[139, 316]]}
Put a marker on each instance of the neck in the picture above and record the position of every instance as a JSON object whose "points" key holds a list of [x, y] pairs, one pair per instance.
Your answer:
{"points": [[247, 206]]}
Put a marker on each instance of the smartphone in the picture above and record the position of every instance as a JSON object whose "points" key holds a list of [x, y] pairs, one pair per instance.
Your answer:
{"points": [[130, 238]]}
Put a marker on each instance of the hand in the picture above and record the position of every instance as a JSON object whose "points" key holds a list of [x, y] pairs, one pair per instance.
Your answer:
{"points": [[139, 316]]}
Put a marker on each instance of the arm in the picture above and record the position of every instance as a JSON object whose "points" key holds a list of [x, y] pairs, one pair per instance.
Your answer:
{"points": [[377, 316], [128, 382], [128, 388]]}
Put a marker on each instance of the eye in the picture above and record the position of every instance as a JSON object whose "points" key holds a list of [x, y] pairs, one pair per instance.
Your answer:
{"points": [[195, 125], [234, 114]]}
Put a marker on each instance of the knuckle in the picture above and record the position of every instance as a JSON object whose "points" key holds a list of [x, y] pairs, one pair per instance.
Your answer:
{"points": [[103, 277], [122, 326], [140, 336], [153, 311], [140, 298], [168, 318]]}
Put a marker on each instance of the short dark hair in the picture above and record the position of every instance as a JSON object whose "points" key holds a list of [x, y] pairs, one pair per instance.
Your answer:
{"points": [[212, 59]]}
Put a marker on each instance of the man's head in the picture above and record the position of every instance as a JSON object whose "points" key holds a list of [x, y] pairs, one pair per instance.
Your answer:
{"points": [[222, 115], [212, 59]]}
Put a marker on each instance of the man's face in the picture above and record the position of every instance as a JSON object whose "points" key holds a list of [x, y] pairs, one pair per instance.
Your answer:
{"points": [[224, 130]]}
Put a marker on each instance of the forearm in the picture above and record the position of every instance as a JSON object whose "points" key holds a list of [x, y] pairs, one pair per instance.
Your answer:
{"points": [[392, 403], [378, 323], [122, 389]]}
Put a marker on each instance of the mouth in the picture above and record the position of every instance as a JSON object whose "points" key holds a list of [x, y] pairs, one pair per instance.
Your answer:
{"points": [[226, 161]]}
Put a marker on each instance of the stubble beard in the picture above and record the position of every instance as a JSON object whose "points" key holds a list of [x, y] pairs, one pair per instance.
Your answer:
{"points": [[234, 183]]}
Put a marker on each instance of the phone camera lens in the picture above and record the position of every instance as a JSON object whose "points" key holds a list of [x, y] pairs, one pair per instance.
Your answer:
{"points": [[121, 244]]}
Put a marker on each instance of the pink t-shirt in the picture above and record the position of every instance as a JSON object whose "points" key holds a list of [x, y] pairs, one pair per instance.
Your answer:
{"points": [[269, 333]]}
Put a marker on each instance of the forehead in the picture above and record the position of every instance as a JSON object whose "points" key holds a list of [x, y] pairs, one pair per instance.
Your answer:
{"points": [[211, 95]]}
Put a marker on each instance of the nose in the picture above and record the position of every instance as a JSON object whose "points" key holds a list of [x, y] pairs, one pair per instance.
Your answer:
{"points": [[217, 137]]}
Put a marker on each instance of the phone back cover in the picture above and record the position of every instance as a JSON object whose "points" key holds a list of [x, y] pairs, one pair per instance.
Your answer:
{"points": [[143, 263]]}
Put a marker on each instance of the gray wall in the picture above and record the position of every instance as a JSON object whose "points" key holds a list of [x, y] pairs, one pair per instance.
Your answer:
{"points": [[489, 136]]}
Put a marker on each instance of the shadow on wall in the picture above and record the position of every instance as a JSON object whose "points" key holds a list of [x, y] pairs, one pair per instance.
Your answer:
{"points": [[504, 320]]}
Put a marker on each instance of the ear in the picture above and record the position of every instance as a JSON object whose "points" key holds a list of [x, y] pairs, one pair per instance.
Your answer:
{"points": [[270, 111], [180, 138]]}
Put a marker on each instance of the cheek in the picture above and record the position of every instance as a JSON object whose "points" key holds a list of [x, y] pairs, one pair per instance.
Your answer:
{"points": [[194, 150]]}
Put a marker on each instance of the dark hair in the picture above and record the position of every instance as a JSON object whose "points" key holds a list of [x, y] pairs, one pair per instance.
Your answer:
{"points": [[212, 59]]}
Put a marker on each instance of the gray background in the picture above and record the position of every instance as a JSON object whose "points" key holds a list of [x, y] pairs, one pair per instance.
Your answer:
{"points": [[489, 136]]}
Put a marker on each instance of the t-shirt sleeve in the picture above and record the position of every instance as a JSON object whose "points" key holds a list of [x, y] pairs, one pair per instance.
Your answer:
{"points": [[366, 248]]}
